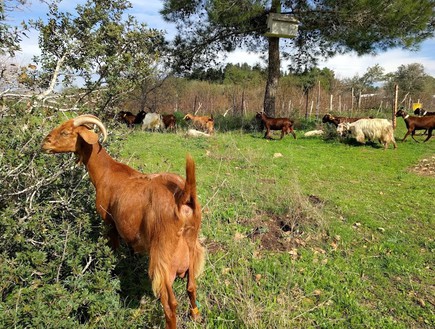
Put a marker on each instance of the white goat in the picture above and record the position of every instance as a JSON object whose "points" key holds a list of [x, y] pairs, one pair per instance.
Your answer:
{"points": [[196, 133], [312, 133], [370, 129], [152, 121]]}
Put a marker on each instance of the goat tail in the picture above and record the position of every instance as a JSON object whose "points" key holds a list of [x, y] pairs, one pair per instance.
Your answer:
{"points": [[189, 193]]}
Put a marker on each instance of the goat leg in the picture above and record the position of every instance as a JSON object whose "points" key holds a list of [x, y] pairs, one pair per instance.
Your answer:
{"points": [[412, 135], [429, 134], [406, 135], [191, 292], [169, 303]]}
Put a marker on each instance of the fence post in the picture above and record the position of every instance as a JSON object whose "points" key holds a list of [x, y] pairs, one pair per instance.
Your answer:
{"points": [[396, 97]]}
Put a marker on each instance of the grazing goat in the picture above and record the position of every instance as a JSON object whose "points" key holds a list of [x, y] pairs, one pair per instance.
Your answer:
{"points": [[157, 213], [169, 121], [203, 123], [152, 121], [417, 123], [127, 117], [283, 124], [371, 129], [139, 117], [312, 133], [422, 112], [130, 119], [329, 118]]}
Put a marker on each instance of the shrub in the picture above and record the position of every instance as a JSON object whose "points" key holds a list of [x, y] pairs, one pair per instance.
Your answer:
{"points": [[56, 268]]}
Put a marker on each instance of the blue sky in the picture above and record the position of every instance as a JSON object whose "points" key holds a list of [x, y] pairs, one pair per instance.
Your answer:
{"points": [[147, 11]]}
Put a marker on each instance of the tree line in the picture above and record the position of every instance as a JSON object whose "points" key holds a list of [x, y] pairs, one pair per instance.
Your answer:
{"points": [[101, 57]]}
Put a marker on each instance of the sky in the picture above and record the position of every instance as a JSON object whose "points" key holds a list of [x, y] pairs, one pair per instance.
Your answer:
{"points": [[147, 11]]}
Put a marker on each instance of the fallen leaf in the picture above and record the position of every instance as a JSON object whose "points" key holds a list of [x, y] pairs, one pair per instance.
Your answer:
{"points": [[317, 292], [226, 270], [421, 302], [257, 278], [239, 236]]}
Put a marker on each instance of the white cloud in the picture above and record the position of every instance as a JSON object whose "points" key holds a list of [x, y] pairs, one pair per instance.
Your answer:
{"points": [[344, 66], [240, 57], [349, 65]]}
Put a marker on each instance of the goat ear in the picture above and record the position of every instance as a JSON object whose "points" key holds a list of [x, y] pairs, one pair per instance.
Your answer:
{"points": [[88, 135]]}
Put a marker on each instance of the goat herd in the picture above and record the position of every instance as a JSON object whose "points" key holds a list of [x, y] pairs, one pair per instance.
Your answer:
{"points": [[160, 214], [156, 121], [382, 129], [361, 129]]}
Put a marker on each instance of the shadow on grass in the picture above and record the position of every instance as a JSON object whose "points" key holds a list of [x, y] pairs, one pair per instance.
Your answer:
{"points": [[352, 142], [132, 271]]}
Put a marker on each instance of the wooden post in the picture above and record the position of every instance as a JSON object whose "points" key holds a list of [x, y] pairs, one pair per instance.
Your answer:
{"points": [[396, 98], [339, 103], [330, 102], [318, 101], [194, 104], [352, 99]]}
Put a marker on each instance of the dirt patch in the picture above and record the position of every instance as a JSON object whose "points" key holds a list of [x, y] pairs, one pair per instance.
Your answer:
{"points": [[425, 167], [280, 232], [275, 233]]}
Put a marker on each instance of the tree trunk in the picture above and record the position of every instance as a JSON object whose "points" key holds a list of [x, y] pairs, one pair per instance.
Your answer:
{"points": [[54, 77], [273, 77], [274, 66]]}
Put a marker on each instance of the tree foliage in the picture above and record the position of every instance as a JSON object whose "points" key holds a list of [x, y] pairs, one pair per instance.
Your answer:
{"points": [[362, 84], [98, 44], [410, 78], [209, 27], [10, 36], [326, 27]]}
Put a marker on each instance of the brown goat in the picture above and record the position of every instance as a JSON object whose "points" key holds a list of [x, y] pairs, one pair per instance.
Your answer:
{"points": [[157, 213], [283, 124], [139, 117], [127, 117], [204, 123], [131, 119], [169, 121], [422, 112], [417, 123], [329, 118]]}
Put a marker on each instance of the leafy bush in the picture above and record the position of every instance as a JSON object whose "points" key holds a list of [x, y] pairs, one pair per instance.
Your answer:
{"points": [[56, 268]]}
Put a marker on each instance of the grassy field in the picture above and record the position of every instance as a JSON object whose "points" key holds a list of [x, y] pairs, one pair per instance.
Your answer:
{"points": [[300, 233]]}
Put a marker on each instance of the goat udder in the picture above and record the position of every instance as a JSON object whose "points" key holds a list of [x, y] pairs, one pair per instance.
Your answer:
{"points": [[181, 260]]}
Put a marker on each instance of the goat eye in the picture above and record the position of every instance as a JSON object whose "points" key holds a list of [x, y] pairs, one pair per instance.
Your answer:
{"points": [[64, 133]]}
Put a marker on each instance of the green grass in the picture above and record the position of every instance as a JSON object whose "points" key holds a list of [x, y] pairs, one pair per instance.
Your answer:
{"points": [[360, 251]]}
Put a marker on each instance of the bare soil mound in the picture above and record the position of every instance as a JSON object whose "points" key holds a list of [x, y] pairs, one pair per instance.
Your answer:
{"points": [[425, 167]]}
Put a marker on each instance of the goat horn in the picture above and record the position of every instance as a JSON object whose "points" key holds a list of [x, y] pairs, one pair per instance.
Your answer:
{"points": [[88, 118]]}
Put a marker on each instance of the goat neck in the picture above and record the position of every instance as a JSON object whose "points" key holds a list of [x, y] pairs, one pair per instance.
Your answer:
{"points": [[96, 160], [100, 164]]}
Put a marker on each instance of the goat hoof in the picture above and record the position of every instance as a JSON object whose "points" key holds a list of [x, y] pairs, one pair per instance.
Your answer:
{"points": [[195, 314]]}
